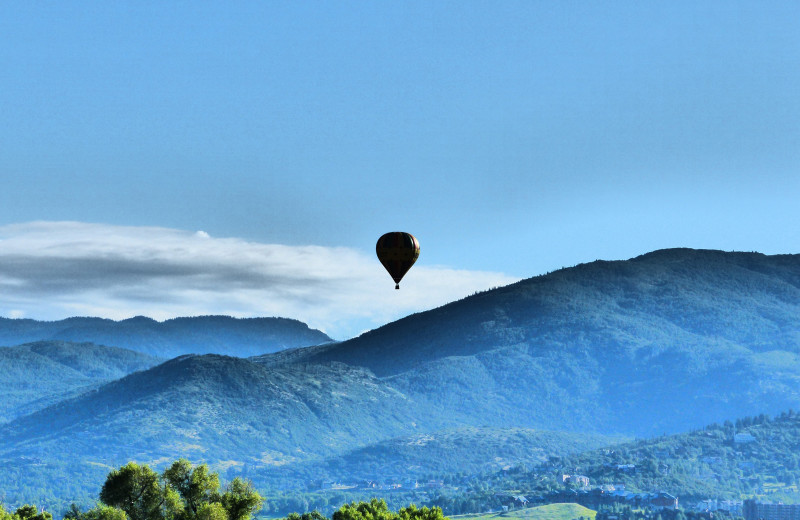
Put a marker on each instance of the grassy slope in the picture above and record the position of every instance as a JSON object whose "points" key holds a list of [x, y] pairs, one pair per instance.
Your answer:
{"points": [[546, 512]]}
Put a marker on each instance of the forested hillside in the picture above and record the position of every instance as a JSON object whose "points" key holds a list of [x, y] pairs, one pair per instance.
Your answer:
{"points": [[664, 342], [750, 457], [220, 408], [466, 451], [753, 456], [667, 342], [39, 374]]}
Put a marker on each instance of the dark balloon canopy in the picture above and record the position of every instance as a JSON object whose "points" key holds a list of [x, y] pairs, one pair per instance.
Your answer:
{"points": [[397, 251]]}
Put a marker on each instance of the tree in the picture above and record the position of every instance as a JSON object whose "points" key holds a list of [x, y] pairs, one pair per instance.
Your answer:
{"points": [[413, 513], [73, 513], [101, 512], [183, 492], [137, 491], [313, 515], [28, 512], [196, 486], [211, 511], [240, 499], [373, 510]]}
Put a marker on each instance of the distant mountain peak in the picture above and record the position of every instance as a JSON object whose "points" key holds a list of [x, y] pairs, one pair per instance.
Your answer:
{"points": [[138, 320], [241, 337], [720, 326]]}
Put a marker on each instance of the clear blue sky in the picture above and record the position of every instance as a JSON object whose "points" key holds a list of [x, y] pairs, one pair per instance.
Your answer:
{"points": [[511, 137]]}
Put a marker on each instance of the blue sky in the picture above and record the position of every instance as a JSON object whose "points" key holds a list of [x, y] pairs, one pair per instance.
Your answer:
{"points": [[512, 138]]}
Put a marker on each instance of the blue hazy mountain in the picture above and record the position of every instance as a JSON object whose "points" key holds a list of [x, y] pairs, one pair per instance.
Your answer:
{"points": [[218, 409], [36, 375], [170, 338], [665, 342], [467, 450], [280, 426], [222, 408]]}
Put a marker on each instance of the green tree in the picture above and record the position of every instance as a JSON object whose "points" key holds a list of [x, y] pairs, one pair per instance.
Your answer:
{"points": [[413, 513], [101, 512], [373, 510], [73, 513], [5, 515], [241, 500], [211, 511], [196, 486], [183, 492], [137, 491], [313, 515], [28, 512]]}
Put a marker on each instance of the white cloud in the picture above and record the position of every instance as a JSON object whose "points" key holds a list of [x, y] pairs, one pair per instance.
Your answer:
{"points": [[53, 270]]}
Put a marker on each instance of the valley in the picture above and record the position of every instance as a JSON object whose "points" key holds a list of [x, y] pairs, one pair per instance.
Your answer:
{"points": [[640, 376]]}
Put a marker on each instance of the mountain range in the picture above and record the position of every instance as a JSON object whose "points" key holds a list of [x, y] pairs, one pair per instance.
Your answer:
{"points": [[662, 343], [240, 337], [37, 375]]}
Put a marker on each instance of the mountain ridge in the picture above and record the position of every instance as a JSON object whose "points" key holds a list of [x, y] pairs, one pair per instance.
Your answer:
{"points": [[560, 282], [661, 343], [181, 406], [217, 334], [36, 375], [722, 326]]}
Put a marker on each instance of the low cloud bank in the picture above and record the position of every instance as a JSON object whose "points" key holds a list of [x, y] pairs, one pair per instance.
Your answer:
{"points": [[53, 270]]}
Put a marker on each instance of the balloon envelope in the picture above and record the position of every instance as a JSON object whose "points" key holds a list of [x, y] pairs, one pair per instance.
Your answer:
{"points": [[397, 251]]}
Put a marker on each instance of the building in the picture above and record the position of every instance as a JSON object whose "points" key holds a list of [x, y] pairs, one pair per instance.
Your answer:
{"points": [[520, 500], [743, 438], [711, 505], [664, 501], [578, 480], [754, 510]]}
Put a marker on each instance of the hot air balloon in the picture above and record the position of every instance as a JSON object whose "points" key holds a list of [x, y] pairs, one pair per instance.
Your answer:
{"points": [[397, 251]]}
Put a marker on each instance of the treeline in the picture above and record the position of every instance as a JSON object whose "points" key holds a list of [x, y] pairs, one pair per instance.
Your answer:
{"points": [[181, 492], [187, 492], [26, 512], [375, 509]]}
